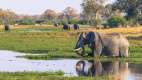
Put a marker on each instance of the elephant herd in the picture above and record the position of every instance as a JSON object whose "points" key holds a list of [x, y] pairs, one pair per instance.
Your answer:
{"points": [[114, 44], [68, 26]]}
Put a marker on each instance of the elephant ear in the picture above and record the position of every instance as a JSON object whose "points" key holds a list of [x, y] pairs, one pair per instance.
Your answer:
{"points": [[91, 38]]}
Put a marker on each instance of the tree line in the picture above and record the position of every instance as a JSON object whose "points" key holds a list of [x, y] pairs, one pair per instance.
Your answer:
{"points": [[94, 12], [119, 13], [68, 15]]}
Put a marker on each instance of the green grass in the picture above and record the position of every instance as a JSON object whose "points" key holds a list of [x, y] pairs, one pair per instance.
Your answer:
{"points": [[36, 42], [44, 76], [56, 44]]}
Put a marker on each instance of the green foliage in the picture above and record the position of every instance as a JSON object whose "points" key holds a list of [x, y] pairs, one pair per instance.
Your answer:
{"points": [[139, 19], [116, 21], [1, 21], [64, 21], [97, 22], [74, 21], [49, 22], [131, 7], [26, 22], [11, 21], [45, 76], [55, 43]]}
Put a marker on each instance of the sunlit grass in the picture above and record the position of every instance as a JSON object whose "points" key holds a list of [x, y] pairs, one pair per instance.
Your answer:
{"points": [[45, 76], [59, 43]]}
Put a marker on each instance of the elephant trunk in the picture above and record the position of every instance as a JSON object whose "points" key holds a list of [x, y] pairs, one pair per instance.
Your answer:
{"points": [[79, 44]]}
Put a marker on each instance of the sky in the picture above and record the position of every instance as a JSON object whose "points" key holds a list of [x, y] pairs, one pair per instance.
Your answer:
{"points": [[33, 7]]}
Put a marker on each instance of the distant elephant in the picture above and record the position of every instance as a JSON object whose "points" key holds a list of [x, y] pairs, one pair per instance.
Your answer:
{"points": [[76, 26], [66, 27], [109, 44], [98, 68], [6, 27], [56, 24]]}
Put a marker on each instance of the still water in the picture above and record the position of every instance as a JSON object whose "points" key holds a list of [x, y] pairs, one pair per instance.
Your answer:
{"points": [[48, 30], [71, 67]]}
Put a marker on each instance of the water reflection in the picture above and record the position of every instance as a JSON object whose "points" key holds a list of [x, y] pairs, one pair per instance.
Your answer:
{"points": [[117, 69], [71, 67]]}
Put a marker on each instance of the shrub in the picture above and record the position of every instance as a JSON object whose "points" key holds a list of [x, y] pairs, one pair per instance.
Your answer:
{"points": [[1, 21], [26, 22], [139, 19], [116, 21], [83, 22], [74, 21]]}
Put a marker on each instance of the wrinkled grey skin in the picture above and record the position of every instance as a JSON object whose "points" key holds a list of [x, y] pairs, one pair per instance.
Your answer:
{"points": [[109, 45]]}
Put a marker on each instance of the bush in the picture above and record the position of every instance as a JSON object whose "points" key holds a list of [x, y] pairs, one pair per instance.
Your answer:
{"points": [[74, 21], [8, 21], [83, 22], [139, 19], [116, 21], [1, 21], [26, 22]]}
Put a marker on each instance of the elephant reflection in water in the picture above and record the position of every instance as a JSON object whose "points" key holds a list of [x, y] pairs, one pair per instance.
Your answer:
{"points": [[118, 70]]}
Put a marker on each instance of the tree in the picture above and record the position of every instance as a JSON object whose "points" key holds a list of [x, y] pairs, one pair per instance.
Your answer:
{"points": [[93, 9], [70, 13], [130, 7], [107, 10], [116, 21], [7, 16], [49, 14]]}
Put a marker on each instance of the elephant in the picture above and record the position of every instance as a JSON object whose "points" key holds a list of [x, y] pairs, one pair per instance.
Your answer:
{"points": [[98, 68], [114, 44], [56, 24], [76, 26], [66, 27], [6, 27]]}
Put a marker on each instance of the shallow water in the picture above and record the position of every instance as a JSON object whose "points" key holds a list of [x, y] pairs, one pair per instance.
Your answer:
{"points": [[120, 70], [10, 63], [37, 31]]}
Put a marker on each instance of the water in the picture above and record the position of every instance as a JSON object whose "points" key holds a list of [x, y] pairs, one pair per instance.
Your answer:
{"points": [[120, 70], [37, 30], [10, 63]]}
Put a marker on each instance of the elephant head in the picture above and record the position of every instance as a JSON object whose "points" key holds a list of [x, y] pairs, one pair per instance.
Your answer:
{"points": [[85, 38], [92, 39]]}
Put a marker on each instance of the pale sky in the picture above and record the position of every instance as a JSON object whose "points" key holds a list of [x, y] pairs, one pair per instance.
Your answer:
{"points": [[39, 6]]}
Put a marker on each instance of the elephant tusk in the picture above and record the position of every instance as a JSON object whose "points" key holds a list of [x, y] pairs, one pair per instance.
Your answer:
{"points": [[77, 49]]}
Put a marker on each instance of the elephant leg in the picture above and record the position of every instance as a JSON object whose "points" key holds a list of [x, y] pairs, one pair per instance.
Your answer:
{"points": [[115, 52], [97, 49], [83, 50], [97, 52], [124, 51], [94, 52]]}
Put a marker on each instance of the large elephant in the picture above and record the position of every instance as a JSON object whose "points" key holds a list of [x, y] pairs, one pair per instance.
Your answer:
{"points": [[113, 44]]}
